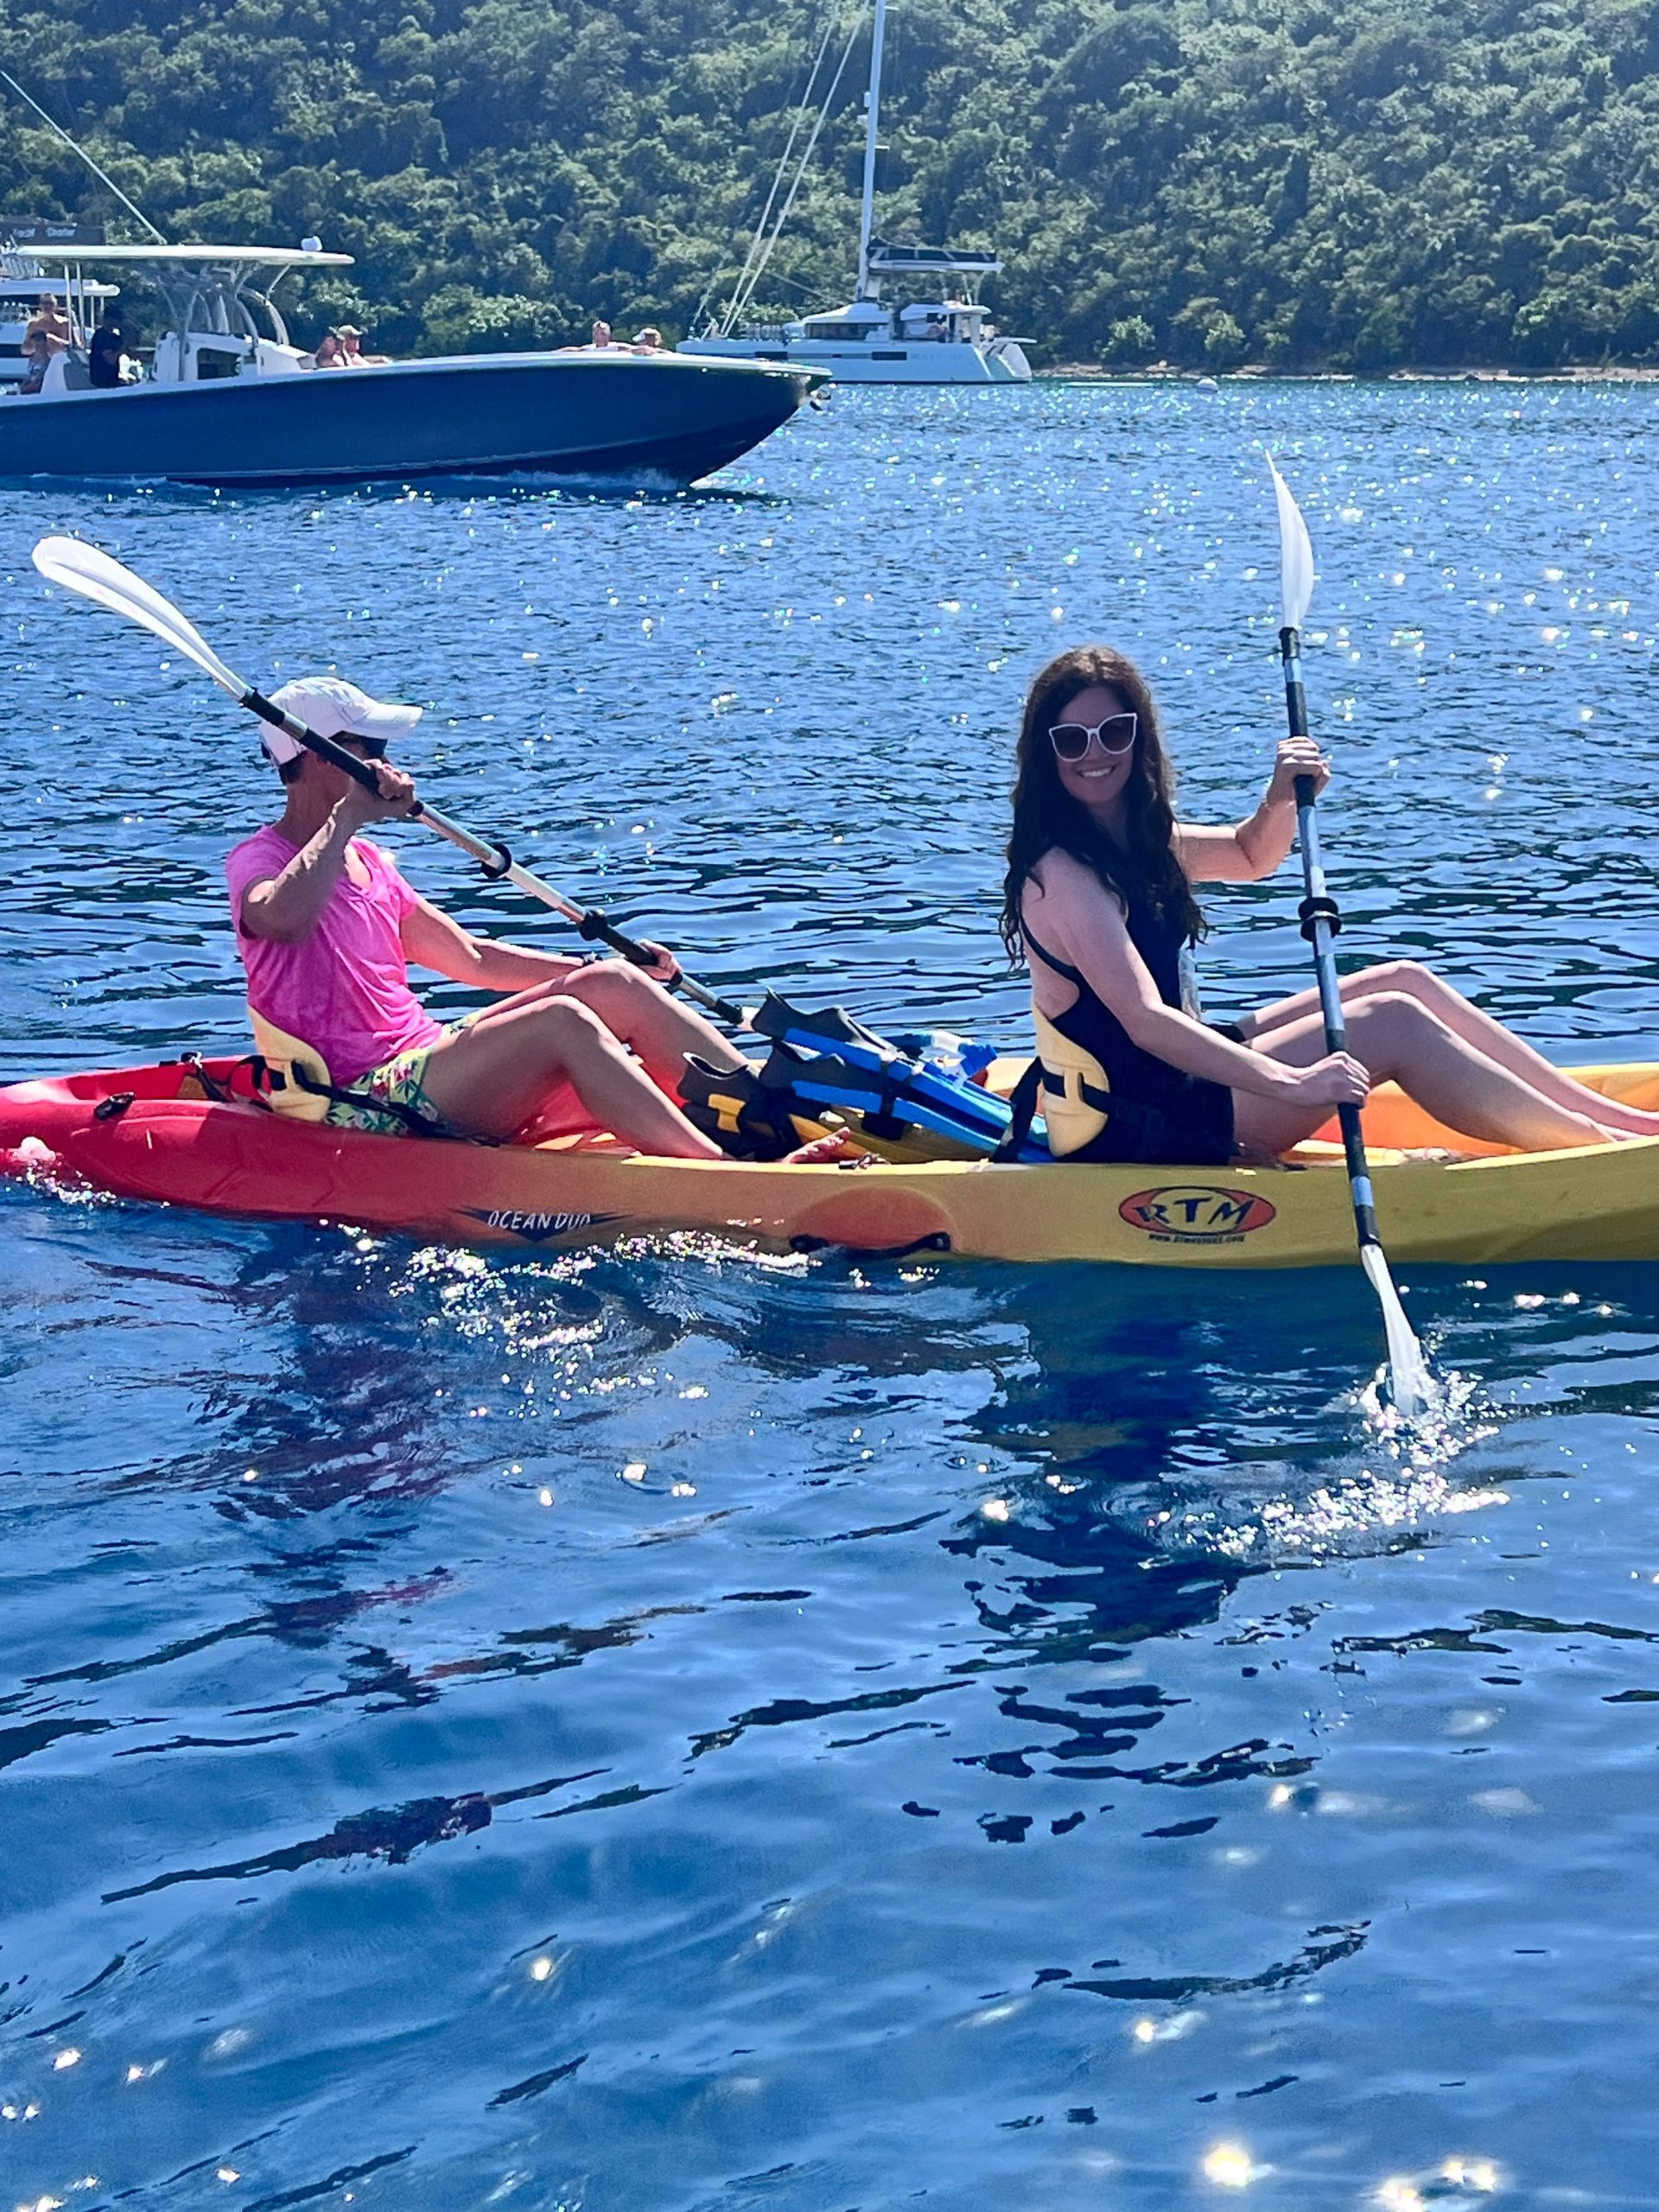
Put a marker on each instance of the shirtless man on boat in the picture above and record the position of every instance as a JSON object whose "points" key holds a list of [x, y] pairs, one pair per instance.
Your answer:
{"points": [[327, 926]]}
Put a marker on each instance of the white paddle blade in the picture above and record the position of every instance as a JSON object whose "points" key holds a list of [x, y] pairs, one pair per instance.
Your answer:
{"points": [[1410, 1384], [103, 580], [1295, 554]]}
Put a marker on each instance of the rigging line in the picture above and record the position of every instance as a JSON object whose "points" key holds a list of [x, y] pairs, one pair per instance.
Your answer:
{"points": [[743, 297], [739, 288], [806, 157], [798, 105], [136, 212]]}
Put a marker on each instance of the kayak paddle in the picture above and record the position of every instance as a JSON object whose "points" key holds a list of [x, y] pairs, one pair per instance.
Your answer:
{"points": [[98, 577], [1409, 1385]]}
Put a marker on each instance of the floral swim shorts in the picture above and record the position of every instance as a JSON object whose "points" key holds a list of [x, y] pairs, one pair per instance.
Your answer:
{"points": [[397, 1082]]}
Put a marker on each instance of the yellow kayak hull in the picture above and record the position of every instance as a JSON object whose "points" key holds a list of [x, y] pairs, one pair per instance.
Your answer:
{"points": [[1600, 1203]]}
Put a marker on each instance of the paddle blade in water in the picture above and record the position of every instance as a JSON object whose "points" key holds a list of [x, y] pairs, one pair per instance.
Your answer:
{"points": [[1295, 554], [103, 580], [1411, 1387]]}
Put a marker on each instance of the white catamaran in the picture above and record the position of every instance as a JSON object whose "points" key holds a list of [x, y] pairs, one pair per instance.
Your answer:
{"points": [[879, 337]]}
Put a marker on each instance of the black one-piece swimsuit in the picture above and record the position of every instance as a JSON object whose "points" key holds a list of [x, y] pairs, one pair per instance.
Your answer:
{"points": [[1153, 1112]]}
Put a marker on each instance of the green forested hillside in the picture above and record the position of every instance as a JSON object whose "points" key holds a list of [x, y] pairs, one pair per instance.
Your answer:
{"points": [[1360, 183]]}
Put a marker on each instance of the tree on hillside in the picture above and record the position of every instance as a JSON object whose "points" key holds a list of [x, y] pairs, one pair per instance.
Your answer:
{"points": [[1429, 181]]}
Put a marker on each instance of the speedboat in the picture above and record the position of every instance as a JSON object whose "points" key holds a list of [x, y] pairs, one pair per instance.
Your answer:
{"points": [[227, 399], [880, 336]]}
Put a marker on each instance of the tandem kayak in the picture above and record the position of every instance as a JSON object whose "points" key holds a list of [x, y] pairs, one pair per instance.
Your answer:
{"points": [[161, 1134]]}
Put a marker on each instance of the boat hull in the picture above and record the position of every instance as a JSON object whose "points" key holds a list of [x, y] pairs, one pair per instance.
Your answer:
{"points": [[138, 1134], [632, 418], [898, 362]]}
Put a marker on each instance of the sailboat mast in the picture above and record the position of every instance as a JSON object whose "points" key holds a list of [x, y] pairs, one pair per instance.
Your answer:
{"points": [[872, 110]]}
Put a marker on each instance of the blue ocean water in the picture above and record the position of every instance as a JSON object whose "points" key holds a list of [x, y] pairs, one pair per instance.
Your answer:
{"points": [[666, 1730]]}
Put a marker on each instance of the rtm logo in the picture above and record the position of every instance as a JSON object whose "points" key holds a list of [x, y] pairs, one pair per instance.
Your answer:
{"points": [[1196, 1213]]}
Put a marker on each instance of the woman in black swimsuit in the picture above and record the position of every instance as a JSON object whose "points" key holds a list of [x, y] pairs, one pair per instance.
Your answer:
{"points": [[1099, 900]]}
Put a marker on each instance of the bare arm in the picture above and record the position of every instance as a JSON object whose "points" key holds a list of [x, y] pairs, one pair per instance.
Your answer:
{"points": [[1258, 846], [288, 906], [430, 939], [1073, 910]]}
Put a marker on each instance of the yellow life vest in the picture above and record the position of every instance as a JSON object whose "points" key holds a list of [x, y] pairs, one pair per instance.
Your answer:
{"points": [[284, 1056], [1071, 1072]]}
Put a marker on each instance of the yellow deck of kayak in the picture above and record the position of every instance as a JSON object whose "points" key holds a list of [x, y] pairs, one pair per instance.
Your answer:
{"points": [[1486, 1206]]}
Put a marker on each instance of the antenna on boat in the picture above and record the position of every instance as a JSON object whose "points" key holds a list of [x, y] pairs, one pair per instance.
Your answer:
{"points": [[138, 213], [871, 111]]}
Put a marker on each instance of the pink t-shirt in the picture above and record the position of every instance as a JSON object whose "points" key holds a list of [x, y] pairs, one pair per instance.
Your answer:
{"points": [[345, 989]]}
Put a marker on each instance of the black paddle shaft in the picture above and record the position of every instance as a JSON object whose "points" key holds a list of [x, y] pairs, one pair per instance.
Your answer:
{"points": [[492, 855], [1321, 920]]}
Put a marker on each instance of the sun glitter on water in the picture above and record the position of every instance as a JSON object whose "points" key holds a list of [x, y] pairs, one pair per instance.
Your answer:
{"points": [[1405, 1483]]}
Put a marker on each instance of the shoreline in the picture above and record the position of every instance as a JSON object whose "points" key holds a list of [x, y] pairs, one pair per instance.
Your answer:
{"points": [[1161, 372]]}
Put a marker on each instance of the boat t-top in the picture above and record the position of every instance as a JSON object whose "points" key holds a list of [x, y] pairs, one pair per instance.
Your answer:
{"points": [[914, 318], [228, 399]]}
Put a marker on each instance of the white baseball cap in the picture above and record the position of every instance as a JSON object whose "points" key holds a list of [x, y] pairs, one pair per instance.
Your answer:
{"points": [[332, 708]]}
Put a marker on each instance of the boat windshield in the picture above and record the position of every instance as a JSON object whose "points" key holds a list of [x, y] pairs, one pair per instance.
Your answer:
{"points": [[217, 304]]}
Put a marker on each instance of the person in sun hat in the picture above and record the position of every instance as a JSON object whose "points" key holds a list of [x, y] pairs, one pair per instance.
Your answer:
{"points": [[326, 927]]}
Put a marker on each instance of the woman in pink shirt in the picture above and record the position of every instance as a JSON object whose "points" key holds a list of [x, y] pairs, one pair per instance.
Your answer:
{"points": [[327, 926]]}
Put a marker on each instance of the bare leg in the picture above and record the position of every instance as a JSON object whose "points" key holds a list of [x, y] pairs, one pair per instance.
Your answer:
{"points": [[660, 1029], [491, 1078], [1466, 1021], [1399, 1041]]}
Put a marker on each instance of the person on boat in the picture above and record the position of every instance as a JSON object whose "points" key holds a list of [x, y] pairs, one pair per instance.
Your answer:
{"points": [[37, 349], [41, 347], [351, 355], [327, 926], [107, 366], [649, 340], [330, 353], [1098, 898]]}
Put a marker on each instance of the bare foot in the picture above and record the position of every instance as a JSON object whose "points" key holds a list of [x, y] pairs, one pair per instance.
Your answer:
{"points": [[836, 1150]]}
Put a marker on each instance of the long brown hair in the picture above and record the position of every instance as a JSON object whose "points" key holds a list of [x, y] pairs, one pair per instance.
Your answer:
{"points": [[1046, 819]]}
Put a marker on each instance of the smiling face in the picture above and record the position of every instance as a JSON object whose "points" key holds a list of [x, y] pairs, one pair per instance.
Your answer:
{"points": [[1113, 812], [1097, 780]]}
